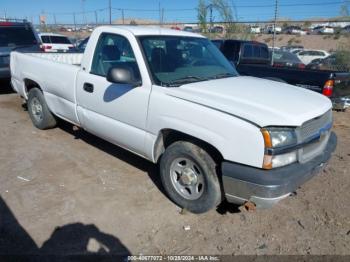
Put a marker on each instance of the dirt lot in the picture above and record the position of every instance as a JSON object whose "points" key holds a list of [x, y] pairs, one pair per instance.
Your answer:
{"points": [[68, 192]]}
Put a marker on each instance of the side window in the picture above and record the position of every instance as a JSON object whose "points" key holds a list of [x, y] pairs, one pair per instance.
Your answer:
{"points": [[113, 51]]}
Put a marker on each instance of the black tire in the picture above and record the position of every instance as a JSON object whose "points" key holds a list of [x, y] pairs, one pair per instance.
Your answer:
{"points": [[211, 195], [42, 119]]}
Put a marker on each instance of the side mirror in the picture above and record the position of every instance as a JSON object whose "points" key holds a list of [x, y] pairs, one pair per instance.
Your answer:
{"points": [[122, 75]]}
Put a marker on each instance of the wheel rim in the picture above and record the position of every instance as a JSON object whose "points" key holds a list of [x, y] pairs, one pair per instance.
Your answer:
{"points": [[187, 178], [37, 109]]}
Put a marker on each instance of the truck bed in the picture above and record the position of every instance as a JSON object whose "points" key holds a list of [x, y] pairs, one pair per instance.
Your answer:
{"points": [[65, 58], [54, 73]]}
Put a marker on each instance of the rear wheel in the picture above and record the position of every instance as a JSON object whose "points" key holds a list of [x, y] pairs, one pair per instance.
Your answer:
{"points": [[189, 177], [38, 110]]}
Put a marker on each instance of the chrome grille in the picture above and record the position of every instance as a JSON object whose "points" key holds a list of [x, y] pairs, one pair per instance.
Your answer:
{"points": [[313, 126], [311, 129]]}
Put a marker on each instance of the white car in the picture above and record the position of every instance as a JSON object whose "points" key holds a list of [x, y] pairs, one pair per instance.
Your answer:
{"points": [[55, 42], [306, 56], [294, 30], [255, 30], [270, 29], [172, 98], [324, 30]]}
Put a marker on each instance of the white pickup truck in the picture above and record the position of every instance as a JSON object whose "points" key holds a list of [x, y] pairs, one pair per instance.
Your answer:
{"points": [[172, 98]]}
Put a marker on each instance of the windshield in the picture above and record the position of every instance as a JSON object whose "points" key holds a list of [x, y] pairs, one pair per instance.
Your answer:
{"points": [[176, 60], [16, 35]]}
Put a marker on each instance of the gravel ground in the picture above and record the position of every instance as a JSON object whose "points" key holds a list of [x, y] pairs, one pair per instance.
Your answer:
{"points": [[64, 191]]}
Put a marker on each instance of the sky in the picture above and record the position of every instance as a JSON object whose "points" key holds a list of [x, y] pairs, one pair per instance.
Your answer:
{"points": [[174, 10]]}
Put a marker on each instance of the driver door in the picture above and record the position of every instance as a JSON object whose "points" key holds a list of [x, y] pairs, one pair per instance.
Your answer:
{"points": [[115, 112]]}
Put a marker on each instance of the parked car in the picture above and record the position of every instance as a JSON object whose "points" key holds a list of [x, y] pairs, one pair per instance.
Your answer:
{"points": [[214, 133], [346, 29], [176, 28], [291, 47], [306, 56], [296, 51], [188, 29], [329, 63], [255, 30], [82, 45], [216, 29], [286, 59], [252, 59], [324, 30], [55, 42], [15, 34], [294, 30], [270, 29]]}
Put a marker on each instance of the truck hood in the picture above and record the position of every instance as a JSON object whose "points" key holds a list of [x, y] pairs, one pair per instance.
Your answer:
{"points": [[262, 102]]}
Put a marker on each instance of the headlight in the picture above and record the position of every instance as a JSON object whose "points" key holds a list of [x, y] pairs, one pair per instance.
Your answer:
{"points": [[276, 138], [279, 137]]}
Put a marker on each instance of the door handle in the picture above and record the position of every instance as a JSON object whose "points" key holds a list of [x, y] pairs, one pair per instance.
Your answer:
{"points": [[88, 87]]}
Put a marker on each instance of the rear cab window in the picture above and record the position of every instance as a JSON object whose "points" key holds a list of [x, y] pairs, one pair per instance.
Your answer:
{"points": [[12, 34], [255, 52]]}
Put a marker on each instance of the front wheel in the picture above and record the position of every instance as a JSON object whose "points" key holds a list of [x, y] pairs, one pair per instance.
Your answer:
{"points": [[189, 177]]}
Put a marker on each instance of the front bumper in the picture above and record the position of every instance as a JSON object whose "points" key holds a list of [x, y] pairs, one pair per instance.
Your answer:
{"points": [[267, 187]]}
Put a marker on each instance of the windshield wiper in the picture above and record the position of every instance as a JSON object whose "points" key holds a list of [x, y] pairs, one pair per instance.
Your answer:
{"points": [[185, 80], [223, 75]]}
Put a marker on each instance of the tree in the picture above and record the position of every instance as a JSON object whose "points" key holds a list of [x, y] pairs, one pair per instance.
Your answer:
{"points": [[202, 15], [226, 15], [344, 8]]}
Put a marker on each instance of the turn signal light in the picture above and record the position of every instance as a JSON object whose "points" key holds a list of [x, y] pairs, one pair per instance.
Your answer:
{"points": [[328, 88], [267, 138]]}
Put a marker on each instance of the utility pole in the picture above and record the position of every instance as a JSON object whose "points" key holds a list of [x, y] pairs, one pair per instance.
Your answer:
{"points": [[159, 13], [210, 7], [75, 24], [274, 32], [123, 15], [96, 18], [162, 16], [110, 12]]}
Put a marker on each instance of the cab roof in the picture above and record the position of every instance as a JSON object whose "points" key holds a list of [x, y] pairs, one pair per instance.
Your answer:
{"points": [[151, 30]]}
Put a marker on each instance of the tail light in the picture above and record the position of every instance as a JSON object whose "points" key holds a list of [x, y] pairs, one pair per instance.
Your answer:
{"points": [[45, 47], [301, 66], [328, 88]]}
